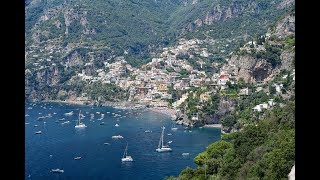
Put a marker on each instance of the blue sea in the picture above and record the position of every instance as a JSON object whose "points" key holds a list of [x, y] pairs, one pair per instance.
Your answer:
{"points": [[58, 144]]}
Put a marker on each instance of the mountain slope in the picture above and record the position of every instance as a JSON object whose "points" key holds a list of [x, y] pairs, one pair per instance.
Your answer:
{"points": [[65, 38]]}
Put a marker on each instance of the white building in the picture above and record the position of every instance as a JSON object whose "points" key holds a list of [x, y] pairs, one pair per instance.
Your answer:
{"points": [[259, 107], [244, 91]]}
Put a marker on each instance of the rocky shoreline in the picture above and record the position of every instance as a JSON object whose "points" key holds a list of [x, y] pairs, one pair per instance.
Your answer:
{"points": [[131, 105]]}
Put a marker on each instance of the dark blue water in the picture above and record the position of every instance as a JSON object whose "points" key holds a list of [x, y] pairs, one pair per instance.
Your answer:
{"points": [[100, 161]]}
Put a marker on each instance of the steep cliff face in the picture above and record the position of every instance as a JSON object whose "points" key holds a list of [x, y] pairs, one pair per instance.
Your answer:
{"points": [[219, 13], [279, 44], [251, 69], [285, 27], [225, 107]]}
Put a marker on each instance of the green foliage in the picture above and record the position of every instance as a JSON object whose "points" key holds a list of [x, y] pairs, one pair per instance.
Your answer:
{"points": [[212, 105], [184, 73], [228, 121], [201, 158], [183, 56], [262, 151], [272, 54], [107, 92]]}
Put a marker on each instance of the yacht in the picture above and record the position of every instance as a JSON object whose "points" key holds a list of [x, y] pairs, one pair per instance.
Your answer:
{"points": [[117, 137], [57, 170], [80, 124], [125, 157], [161, 147], [69, 113], [66, 122]]}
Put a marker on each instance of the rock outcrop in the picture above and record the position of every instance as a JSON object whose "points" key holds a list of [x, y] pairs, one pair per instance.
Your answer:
{"points": [[285, 27], [250, 69]]}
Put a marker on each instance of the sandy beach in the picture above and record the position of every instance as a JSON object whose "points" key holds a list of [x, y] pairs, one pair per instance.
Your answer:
{"points": [[167, 111]]}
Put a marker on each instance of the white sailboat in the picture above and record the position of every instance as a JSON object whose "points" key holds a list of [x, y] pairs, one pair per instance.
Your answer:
{"points": [[80, 124], [125, 157], [161, 147]]}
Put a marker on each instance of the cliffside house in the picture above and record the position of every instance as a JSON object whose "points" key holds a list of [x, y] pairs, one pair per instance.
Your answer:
{"points": [[223, 79]]}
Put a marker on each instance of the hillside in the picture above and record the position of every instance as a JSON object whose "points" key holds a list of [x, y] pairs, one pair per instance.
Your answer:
{"points": [[259, 126], [64, 38]]}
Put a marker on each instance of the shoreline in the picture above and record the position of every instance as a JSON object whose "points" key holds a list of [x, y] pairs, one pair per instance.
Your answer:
{"points": [[213, 126], [116, 105], [131, 106], [166, 111], [121, 105]]}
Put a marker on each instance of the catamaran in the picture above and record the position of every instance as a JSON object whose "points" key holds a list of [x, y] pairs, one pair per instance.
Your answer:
{"points": [[80, 124], [125, 157], [161, 147]]}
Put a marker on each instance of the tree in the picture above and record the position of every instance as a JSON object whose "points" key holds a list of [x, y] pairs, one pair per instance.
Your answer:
{"points": [[228, 121]]}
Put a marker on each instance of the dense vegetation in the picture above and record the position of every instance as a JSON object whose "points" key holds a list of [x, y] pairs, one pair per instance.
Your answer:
{"points": [[141, 27], [265, 150]]}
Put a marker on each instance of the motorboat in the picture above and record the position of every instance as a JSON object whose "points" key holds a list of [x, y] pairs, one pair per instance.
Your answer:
{"points": [[57, 170], [38, 132], [77, 158], [66, 122], [117, 125], [117, 137], [69, 113]]}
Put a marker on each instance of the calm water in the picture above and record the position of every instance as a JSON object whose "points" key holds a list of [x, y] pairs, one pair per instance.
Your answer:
{"points": [[59, 143]]}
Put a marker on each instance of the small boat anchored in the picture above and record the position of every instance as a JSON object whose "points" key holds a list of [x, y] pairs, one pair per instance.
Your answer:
{"points": [[174, 128], [57, 170], [117, 137], [69, 113]]}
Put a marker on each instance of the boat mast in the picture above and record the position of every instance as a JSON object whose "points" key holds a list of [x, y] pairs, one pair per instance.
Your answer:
{"points": [[162, 137], [79, 117], [124, 153], [160, 141]]}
